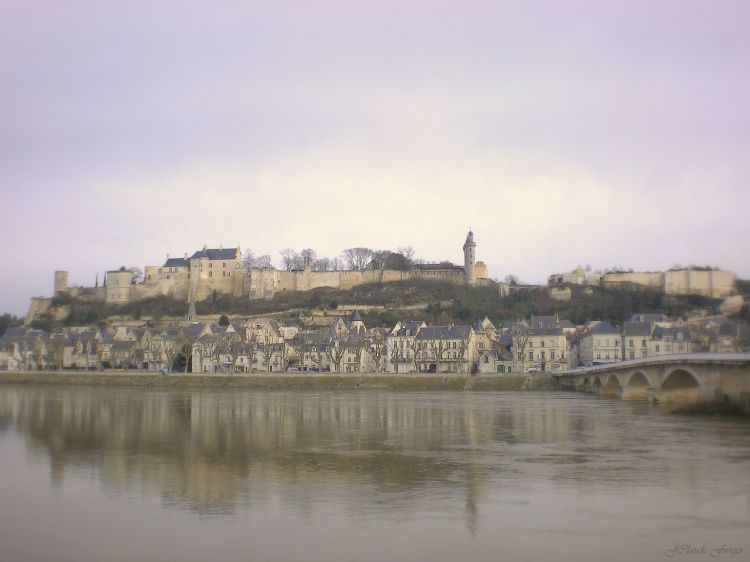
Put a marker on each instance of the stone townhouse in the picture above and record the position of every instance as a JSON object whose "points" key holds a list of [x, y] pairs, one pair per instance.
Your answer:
{"points": [[671, 340], [715, 334], [636, 339], [600, 343], [537, 345], [496, 360], [446, 349], [541, 348], [401, 347], [313, 349]]}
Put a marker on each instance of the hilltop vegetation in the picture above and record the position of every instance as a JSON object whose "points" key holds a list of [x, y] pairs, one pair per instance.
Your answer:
{"points": [[440, 303]]}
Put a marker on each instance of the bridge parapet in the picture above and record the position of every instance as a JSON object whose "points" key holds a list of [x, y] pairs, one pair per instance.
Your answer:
{"points": [[705, 379], [678, 358]]}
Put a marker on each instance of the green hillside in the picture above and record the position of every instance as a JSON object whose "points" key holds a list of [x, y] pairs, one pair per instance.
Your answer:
{"points": [[441, 303]]}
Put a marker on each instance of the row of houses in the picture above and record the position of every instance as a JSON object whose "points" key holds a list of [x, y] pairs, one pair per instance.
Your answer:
{"points": [[539, 344]]}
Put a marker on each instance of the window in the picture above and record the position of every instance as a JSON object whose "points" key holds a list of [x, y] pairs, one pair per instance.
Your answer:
{"points": [[631, 343], [552, 355], [210, 273], [224, 264], [632, 355], [223, 273], [531, 355], [657, 347], [481, 345]]}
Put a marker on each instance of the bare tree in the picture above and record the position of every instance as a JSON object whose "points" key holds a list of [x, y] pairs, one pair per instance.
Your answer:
{"points": [[414, 347], [511, 279], [316, 356], [379, 259], [439, 347], [357, 258], [336, 264], [263, 261], [406, 251], [521, 333], [463, 348], [289, 259], [376, 348], [171, 349], [137, 274], [248, 260], [307, 257], [322, 264], [337, 352], [396, 355]]}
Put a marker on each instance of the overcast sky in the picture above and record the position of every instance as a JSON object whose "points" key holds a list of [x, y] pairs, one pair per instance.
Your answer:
{"points": [[609, 133]]}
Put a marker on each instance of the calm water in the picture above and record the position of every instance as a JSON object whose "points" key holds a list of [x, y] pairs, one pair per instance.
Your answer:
{"points": [[121, 474]]}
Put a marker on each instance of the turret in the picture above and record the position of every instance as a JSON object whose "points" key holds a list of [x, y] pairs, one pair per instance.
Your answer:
{"points": [[470, 259], [61, 282]]}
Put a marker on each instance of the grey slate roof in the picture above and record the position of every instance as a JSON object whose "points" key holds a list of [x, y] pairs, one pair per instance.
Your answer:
{"points": [[217, 254], [177, 262], [604, 328], [444, 333], [543, 322], [545, 331], [636, 329], [648, 318]]}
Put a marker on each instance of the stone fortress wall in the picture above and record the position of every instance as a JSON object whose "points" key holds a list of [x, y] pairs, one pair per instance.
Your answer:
{"points": [[715, 283], [221, 271]]}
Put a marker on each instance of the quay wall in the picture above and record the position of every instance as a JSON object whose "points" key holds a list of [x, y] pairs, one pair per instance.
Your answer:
{"points": [[282, 381]]}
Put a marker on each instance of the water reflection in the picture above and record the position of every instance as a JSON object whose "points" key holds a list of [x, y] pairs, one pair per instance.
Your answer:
{"points": [[374, 455]]}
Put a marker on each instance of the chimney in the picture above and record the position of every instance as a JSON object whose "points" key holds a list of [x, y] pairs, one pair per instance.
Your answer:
{"points": [[185, 255], [221, 247], [167, 255]]}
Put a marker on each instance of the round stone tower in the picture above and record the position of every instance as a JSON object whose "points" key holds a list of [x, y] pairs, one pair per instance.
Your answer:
{"points": [[61, 282], [470, 259]]}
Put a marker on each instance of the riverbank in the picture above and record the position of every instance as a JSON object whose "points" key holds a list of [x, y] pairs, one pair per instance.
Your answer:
{"points": [[286, 381]]}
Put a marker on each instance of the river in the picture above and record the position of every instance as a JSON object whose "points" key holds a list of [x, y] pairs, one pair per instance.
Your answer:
{"points": [[128, 474]]}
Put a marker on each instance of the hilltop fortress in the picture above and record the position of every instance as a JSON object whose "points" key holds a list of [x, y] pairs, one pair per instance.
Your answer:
{"points": [[221, 271]]}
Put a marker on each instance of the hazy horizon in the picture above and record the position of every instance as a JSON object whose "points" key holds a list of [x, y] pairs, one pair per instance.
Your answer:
{"points": [[608, 133]]}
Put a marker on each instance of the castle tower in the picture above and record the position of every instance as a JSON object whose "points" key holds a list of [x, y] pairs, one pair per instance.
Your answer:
{"points": [[61, 282], [470, 259]]}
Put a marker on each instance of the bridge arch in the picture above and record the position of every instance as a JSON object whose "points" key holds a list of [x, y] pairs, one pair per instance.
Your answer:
{"points": [[612, 381], [638, 378], [680, 378], [612, 386]]}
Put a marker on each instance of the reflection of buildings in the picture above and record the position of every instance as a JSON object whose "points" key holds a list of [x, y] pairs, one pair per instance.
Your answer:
{"points": [[213, 452], [219, 451]]}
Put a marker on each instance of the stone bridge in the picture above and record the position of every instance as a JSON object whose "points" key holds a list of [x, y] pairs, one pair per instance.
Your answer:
{"points": [[709, 381]]}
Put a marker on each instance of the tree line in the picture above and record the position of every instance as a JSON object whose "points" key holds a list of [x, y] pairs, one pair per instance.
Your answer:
{"points": [[356, 259]]}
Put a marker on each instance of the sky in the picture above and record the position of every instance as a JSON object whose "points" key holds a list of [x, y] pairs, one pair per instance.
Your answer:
{"points": [[607, 133]]}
